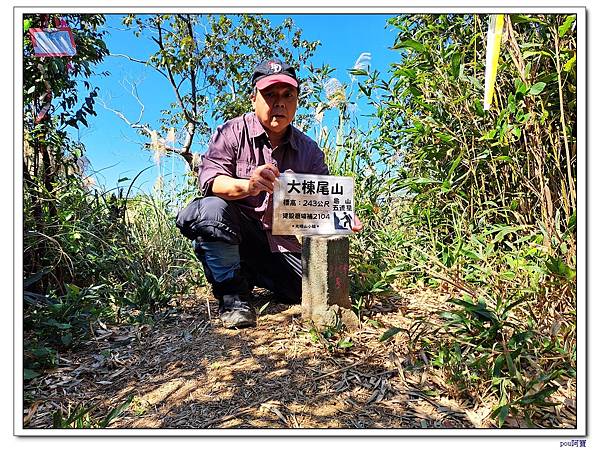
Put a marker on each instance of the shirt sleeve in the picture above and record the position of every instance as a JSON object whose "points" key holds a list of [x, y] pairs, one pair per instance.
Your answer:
{"points": [[219, 159], [319, 167]]}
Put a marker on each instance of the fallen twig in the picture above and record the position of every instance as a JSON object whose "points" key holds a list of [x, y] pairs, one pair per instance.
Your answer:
{"points": [[239, 413], [343, 369]]}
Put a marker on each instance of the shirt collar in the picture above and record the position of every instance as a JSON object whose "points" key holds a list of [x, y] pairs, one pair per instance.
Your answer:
{"points": [[256, 129]]}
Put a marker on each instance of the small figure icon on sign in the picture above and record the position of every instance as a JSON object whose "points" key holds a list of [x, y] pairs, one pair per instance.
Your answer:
{"points": [[342, 220]]}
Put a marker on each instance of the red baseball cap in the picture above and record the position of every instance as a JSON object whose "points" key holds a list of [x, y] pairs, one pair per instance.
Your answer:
{"points": [[274, 71]]}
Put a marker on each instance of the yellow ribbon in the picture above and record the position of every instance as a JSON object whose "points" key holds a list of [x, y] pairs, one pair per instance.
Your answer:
{"points": [[494, 38]]}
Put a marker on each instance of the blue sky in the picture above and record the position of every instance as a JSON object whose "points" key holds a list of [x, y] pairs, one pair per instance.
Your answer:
{"points": [[114, 149]]}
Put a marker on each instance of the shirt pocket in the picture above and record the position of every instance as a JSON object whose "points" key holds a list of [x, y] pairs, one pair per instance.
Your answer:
{"points": [[244, 169]]}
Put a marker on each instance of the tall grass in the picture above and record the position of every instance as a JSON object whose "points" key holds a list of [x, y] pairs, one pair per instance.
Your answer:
{"points": [[96, 256]]}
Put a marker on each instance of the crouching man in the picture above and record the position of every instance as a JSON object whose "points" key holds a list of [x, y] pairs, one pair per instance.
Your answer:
{"points": [[236, 178]]}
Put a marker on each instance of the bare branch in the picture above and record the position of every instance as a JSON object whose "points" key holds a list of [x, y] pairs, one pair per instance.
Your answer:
{"points": [[184, 152], [190, 30], [135, 125], [139, 61], [121, 55], [135, 95], [171, 78]]}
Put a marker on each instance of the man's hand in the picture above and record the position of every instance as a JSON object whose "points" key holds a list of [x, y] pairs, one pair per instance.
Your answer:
{"points": [[357, 226], [262, 179]]}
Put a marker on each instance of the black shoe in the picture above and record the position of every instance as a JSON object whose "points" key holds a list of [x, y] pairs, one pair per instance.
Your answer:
{"points": [[236, 312]]}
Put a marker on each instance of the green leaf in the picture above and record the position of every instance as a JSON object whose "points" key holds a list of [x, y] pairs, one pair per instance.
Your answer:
{"points": [[502, 415], [455, 164], [490, 135], [539, 396], [566, 26], [472, 255], [35, 277], [445, 137], [67, 339], [115, 412], [55, 324], [26, 25], [29, 374], [530, 53], [569, 64], [537, 88], [389, 333], [557, 267], [572, 223], [72, 123], [357, 72], [31, 90], [374, 323], [364, 89], [424, 181], [521, 88], [73, 289], [262, 308], [345, 343], [498, 366], [518, 18], [455, 65], [404, 72], [409, 43], [478, 107]]}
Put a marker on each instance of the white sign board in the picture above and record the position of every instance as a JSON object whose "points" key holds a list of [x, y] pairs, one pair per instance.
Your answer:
{"points": [[313, 204]]}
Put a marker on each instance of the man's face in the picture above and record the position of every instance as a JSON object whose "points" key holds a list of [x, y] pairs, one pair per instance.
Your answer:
{"points": [[275, 106]]}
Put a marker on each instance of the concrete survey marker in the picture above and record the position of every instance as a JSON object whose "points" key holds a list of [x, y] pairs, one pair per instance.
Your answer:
{"points": [[325, 282]]}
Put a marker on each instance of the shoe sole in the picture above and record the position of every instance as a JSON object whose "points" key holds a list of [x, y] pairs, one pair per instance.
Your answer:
{"points": [[244, 324]]}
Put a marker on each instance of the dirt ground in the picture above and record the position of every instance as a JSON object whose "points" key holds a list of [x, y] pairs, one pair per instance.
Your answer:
{"points": [[186, 371]]}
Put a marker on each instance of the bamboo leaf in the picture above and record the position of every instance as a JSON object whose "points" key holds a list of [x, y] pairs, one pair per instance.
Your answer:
{"points": [[345, 343], [566, 26], [537, 88], [389, 333], [557, 267], [529, 53], [569, 64], [501, 412], [29, 374], [35, 277], [115, 412], [518, 18], [357, 72], [572, 221], [455, 65], [455, 164], [478, 108], [502, 415], [409, 43]]}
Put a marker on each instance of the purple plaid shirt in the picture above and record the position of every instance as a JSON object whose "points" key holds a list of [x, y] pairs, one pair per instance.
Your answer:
{"points": [[239, 146]]}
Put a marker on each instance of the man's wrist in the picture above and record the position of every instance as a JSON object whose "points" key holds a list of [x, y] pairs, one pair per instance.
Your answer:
{"points": [[245, 187], [231, 188]]}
